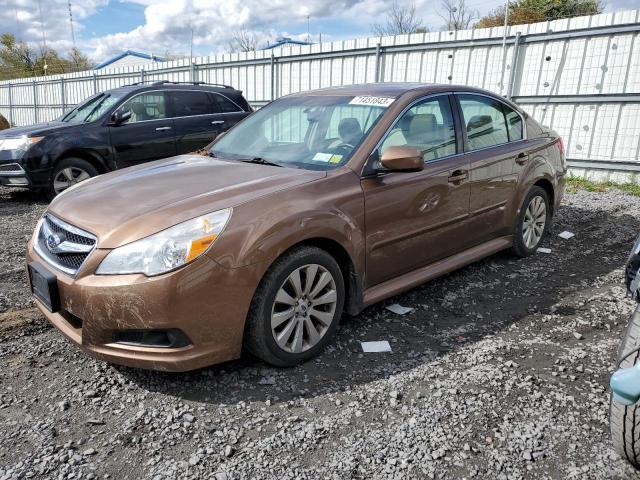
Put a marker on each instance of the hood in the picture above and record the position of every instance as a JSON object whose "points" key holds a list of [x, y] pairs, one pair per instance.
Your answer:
{"points": [[37, 130], [129, 204]]}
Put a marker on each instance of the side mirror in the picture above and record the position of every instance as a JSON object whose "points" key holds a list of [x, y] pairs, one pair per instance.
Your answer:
{"points": [[119, 117], [402, 159]]}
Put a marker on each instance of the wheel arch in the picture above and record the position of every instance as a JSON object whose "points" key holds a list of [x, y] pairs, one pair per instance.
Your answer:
{"points": [[547, 186], [93, 158]]}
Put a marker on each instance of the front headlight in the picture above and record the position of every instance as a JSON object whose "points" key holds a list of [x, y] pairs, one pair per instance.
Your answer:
{"points": [[168, 249], [19, 145]]}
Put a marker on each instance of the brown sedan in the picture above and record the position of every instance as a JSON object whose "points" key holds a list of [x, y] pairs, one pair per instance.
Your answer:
{"points": [[320, 203]]}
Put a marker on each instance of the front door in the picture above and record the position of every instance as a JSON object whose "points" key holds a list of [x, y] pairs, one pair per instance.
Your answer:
{"points": [[147, 135], [413, 219]]}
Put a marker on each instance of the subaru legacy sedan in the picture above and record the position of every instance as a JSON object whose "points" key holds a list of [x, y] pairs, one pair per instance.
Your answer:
{"points": [[320, 203]]}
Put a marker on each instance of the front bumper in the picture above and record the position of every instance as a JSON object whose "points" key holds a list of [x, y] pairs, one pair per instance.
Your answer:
{"points": [[13, 175], [207, 302]]}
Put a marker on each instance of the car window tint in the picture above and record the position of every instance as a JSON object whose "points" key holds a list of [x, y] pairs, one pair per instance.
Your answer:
{"points": [[148, 106], [224, 104], [428, 126], [188, 103], [484, 120], [514, 124]]}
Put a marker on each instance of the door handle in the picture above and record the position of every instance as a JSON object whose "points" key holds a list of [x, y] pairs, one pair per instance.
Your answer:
{"points": [[458, 176], [162, 129], [217, 122], [522, 158]]}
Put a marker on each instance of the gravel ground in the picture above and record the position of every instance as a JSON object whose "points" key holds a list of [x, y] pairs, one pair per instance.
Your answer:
{"points": [[501, 371]]}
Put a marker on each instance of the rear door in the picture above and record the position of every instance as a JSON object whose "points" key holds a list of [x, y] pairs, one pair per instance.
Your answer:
{"points": [[147, 135], [416, 218], [228, 110], [494, 145], [195, 119]]}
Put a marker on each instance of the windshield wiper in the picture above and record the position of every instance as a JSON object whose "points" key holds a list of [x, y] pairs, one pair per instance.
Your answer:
{"points": [[260, 161]]}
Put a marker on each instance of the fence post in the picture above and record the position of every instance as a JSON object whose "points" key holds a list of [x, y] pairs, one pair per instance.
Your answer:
{"points": [[95, 83], [514, 66], [142, 75], [63, 99], [377, 67], [10, 107], [35, 102], [273, 76]]}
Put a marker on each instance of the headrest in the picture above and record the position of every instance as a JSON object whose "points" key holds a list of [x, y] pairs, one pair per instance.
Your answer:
{"points": [[349, 128], [422, 123]]}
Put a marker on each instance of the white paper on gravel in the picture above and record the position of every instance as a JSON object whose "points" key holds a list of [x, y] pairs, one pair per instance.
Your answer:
{"points": [[375, 347], [399, 309], [566, 235], [544, 250]]}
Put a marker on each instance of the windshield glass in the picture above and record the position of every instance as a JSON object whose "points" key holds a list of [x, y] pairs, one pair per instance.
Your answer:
{"points": [[312, 132], [93, 108]]}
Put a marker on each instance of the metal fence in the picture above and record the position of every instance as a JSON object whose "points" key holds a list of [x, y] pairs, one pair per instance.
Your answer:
{"points": [[581, 76]]}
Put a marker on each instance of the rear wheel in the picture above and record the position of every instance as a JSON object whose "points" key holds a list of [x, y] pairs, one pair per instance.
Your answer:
{"points": [[624, 421], [69, 172], [532, 223], [297, 307]]}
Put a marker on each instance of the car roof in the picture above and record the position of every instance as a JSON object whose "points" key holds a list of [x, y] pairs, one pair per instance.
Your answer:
{"points": [[393, 89], [174, 86]]}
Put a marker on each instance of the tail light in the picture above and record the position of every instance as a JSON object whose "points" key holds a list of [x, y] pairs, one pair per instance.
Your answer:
{"points": [[561, 147]]}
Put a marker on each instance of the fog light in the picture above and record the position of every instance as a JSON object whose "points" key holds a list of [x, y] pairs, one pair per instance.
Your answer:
{"points": [[171, 338], [22, 181]]}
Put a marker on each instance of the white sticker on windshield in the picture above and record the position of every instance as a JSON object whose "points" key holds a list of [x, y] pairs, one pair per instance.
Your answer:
{"points": [[372, 101], [322, 157]]}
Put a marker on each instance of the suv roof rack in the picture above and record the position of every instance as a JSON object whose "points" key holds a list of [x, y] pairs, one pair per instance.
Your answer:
{"points": [[164, 82]]}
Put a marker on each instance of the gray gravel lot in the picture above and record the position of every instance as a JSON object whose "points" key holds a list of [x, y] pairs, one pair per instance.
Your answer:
{"points": [[501, 371]]}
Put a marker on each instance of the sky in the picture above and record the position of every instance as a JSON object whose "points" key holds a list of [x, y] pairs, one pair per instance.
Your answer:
{"points": [[106, 27]]}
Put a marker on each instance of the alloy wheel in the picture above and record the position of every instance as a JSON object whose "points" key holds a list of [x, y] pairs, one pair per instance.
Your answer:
{"points": [[535, 219], [304, 308], [67, 177]]}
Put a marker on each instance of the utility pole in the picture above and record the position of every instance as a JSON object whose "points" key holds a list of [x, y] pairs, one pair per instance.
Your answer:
{"points": [[73, 34], [504, 44], [44, 38], [308, 28]]}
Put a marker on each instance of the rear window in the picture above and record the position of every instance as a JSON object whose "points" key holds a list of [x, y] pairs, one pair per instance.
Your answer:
{"points": [[188, 103]]}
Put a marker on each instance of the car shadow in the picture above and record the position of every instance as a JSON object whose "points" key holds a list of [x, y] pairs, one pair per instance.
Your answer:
{"points": [[451, 312]]}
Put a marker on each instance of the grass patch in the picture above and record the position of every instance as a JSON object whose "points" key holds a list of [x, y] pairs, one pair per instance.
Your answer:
{"points": [[574, 184]]}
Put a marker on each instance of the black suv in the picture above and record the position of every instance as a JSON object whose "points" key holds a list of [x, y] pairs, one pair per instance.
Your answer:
{"points": [[116, 129]]}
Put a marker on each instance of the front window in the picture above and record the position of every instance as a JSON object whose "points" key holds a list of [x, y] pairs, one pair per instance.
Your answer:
{"points": [[427, 126], [93, 108], [312, 132], [144, 107]]}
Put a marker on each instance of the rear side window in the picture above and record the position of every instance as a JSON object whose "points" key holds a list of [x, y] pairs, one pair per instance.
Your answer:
{"points": [[484, 121], [224, 104], [514, 124], [188, 103]]}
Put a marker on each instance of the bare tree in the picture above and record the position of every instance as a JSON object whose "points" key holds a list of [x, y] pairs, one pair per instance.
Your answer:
{"points": [[400, 20], [457, 15], [243, 41]]}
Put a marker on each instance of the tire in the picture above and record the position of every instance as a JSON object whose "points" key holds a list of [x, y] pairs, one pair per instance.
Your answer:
{"points": [[296, 320], [624, 421], [76, 168], [523, 246]]}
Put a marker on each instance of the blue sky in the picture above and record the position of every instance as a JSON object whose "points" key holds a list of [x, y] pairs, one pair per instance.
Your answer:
{"points": [[106, 27]]}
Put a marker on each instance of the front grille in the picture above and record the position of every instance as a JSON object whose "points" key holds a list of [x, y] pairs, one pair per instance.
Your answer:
{"points": [[63, 246], [11, 168]]}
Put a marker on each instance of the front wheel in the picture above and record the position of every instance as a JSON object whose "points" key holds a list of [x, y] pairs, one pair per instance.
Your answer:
{"points": [[624, 421], [532, 222], [69, 172], [296, 308]]}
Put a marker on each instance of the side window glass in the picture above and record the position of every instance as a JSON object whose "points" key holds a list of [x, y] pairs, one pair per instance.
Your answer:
{"points": [[188, 103], [148, 106], [224, 104], [514, 124], [427, 126], [484, 121]]}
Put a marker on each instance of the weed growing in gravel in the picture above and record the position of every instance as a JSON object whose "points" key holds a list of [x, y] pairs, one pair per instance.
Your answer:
{"points": [[575, 183]]}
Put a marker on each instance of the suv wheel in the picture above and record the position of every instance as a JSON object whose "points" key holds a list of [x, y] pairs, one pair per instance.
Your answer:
{"points": [[68, 172], [532, 223], [296, 309]]}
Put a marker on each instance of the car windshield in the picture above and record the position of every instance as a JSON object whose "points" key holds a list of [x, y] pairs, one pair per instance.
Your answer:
{"points": [[93, 108], [311, 132]]}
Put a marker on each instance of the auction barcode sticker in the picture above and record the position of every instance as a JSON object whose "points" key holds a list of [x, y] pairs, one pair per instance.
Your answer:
{"points": [[372, 101]]}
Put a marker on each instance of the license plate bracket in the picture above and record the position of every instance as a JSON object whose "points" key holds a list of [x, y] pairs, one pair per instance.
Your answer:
{"points": [[44, 286]]}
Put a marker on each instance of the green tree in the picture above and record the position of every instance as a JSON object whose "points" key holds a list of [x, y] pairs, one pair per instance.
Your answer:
{"points": [[18, 60], [531, 11]]}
